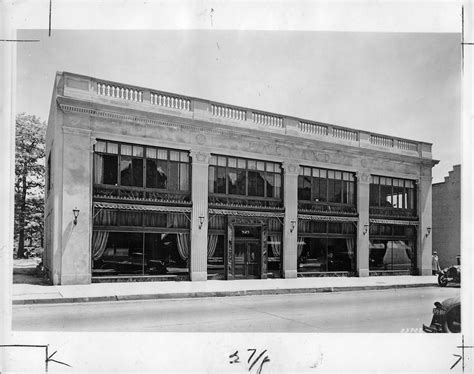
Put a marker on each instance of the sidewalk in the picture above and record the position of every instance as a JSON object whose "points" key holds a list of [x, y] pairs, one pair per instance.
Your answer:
{"points": [[41, 294]]}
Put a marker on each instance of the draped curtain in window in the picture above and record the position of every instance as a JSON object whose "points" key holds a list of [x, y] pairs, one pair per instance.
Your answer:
{"points": [[275, 244], [301, 243], [350, 248], [99, 241], [98, 168], [211, 244], [177, 220], [183, 245]]}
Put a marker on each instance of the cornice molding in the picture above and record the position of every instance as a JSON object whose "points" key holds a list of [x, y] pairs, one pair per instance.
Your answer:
{"points": [[98, 113]]}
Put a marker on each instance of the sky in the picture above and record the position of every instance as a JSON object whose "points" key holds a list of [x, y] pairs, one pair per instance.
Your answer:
{"points": [[401, 84]]}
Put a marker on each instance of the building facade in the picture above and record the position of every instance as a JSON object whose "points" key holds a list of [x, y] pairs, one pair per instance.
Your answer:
{"points": [[447, 218], [152, 185]]}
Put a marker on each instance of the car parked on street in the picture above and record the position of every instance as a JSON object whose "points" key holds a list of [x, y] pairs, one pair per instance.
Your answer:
{"points": [[446, 317], [449, 274]]}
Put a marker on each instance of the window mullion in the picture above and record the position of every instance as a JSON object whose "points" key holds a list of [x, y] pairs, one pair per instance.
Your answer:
{"points": [[144, 169], [119, 161], [247, 181], [226, 168], [168, 167]]}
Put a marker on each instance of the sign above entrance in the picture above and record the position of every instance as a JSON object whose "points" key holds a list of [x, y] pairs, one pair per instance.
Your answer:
{"points": [[247, 232]]}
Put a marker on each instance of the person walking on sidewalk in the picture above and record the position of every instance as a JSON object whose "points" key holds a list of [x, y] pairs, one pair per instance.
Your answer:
{"points": [[435, 263]]}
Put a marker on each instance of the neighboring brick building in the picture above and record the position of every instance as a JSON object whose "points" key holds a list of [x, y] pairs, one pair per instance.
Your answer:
{"points": [[447, 217]]}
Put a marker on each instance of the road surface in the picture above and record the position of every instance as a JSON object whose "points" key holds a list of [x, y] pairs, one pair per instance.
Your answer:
{"points": [[395, 310]]}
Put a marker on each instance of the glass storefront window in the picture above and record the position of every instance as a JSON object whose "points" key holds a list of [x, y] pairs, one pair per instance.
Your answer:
{"points": [[274, 250], [392, 247], [392, 193], [126, 165], [215, 256], [156, 173], [241, 177], [320, 185], [326, 254], [391, 255], [132, 253]]}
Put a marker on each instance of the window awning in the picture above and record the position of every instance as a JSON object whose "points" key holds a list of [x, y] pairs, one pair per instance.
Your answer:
{"points": [[246, 213], [393, 222], [312, 217], [138, 207]]}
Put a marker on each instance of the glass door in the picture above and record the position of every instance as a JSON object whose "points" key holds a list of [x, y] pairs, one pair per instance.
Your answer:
{"points": [[239, 259], [247, 259], [253, 259]]}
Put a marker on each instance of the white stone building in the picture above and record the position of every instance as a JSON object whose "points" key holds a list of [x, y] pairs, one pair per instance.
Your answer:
{"points": [[167, 187]]}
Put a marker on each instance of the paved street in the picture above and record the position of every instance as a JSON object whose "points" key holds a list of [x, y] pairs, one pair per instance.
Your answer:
{"points": [[395, 310]]}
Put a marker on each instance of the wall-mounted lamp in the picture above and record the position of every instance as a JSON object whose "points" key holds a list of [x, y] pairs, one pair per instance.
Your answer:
{"points": [[201, 222], [366, 228], [75, 211], [428, 232], [292, 225]]}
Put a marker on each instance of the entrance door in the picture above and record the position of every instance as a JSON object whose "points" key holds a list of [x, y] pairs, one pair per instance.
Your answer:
{"points": [[247, 259]]}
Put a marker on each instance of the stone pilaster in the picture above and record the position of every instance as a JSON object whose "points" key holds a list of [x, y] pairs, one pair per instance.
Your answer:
{"points": [[363, 189], [424, 248], [290, 227], [199, 193], [76, 193]]}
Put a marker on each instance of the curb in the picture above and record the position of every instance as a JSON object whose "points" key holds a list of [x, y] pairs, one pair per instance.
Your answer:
{"points": [[185, 295]]}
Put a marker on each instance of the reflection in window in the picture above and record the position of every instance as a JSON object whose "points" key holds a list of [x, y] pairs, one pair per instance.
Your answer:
{"points": [[392, 192], [127, 253], [156, 176], [326, 254], [131, 171], [321, 185], [238, 176], [391, 255], [215, 256], [126, 164]]}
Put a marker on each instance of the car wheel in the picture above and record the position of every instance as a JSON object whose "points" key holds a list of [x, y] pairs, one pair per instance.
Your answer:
{"points": [[442, 280], [452, 321]]}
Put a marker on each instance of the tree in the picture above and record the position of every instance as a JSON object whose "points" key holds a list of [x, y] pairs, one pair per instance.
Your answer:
{"points": [[29, 180]]}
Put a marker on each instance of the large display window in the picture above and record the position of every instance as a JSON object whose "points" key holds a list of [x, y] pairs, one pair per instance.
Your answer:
{"points": [[134, 253], [322, 185], [392, 248], [122, 168], [244, 177], [392, 196], [326, 247]]}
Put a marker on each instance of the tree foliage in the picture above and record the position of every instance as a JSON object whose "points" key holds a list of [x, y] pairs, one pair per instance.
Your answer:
{"points": [[29, 181]]}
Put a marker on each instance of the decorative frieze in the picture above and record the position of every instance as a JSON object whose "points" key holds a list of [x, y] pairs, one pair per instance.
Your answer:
{"points": [[312, 217], [393, 222]]}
